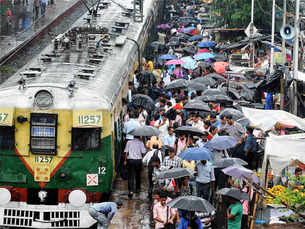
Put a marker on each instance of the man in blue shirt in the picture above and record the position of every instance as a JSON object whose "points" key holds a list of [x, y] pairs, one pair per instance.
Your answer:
{"points": [[250, 149], [104, 212]]}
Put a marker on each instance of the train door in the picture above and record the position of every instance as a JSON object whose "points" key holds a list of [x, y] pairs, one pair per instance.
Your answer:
{"points": [[118, 141]]}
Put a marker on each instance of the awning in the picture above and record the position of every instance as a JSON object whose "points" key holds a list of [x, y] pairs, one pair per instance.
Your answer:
{"points": [[87, 118], [7, 116]]}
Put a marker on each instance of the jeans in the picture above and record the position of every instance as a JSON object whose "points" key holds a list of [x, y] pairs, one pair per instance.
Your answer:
{"points": [[134, 174], [203, 190], [102, 220]]}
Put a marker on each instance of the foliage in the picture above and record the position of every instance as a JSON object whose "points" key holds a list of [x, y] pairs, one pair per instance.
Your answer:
{"points": [[237, 13], [6, 69]]}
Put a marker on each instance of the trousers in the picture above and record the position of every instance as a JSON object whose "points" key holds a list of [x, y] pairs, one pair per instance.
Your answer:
{"points": [[203, 190], [134, 174], [102, 220]]}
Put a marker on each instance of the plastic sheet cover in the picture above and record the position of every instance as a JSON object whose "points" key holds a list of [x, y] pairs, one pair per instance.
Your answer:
{"points": [[282, 150], [266, 119]]}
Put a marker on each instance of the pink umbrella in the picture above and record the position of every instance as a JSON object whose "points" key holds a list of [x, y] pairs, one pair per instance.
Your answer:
{"points": [[220, 67], [203, 50], [175, 62]]}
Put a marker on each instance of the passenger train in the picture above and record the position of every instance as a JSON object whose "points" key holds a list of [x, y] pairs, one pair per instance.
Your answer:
{"points": [[60, 119]]}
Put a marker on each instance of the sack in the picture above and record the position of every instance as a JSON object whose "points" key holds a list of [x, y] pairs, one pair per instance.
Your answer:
{"points": [[169, 226]]}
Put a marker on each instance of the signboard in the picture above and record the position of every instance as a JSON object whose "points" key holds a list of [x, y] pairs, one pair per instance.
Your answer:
{"points": [[6, 116], [87, 118], [251, 30], [92, 179]]}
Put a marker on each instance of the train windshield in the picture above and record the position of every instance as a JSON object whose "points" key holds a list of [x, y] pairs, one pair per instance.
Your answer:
{"points": [[86, 138], [7, 137]]}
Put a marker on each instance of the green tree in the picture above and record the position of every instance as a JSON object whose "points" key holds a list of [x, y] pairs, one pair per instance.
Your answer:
{"points": [[237, 13]]}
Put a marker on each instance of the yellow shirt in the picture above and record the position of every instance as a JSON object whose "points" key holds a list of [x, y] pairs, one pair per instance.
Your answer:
{"points": [[150, 66], [188, 165]]}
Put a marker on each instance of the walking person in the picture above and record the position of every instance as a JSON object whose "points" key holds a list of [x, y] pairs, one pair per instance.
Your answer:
{"points": [[147, 160], [134, 150], [43, 7], [205, 180], [36, 8], [104, 212]]}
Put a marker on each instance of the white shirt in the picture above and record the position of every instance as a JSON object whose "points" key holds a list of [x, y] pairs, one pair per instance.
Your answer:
{"points": [[150, 154]]}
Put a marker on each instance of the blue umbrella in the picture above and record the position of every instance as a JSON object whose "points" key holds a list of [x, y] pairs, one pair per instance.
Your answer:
{"points": [[196, 154], [221, 143], [188, 29], [205, 55], [167, 57], [207, 44], [190, 63], [196, 37]]}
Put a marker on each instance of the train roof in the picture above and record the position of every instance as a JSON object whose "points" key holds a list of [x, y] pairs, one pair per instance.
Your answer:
{"points": [[72, 77]]}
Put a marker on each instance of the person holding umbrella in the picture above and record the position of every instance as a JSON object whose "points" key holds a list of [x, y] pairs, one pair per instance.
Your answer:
{"points": [[205, 179]]}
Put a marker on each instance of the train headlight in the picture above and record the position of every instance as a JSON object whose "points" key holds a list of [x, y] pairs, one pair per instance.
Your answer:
{"points": [[77, 198], [5, 196]]}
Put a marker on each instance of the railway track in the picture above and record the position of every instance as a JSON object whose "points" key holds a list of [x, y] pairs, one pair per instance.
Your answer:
{"points": [[26, 51]]}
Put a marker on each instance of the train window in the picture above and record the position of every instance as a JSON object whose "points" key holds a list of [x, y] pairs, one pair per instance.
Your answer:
{"points": [[43, 134], [86, 138], [7, 137]]}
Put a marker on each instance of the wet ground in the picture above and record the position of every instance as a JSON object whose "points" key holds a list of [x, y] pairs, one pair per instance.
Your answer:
{"points": [[135, 213]]}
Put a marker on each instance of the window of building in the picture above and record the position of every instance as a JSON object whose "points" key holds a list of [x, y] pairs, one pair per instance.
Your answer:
{"points": [[7, 137], [43, 134], [86, 138]]}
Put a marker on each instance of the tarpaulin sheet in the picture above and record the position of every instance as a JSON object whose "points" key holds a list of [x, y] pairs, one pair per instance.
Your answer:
{"points": [[266, 119]]}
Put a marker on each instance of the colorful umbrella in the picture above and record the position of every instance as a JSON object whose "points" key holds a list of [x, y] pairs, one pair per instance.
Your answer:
{"points": [[188, 29], [207, 44], [175, 62], [190, 63], [203, 51], [241, 172], [203, 56], [221, 143], [196, 154], [167, 57], [220, 67], [163, 26], [195, 38]]}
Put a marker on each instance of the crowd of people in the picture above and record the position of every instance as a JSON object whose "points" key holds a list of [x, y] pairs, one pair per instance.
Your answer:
{"points": [[168, 113]]}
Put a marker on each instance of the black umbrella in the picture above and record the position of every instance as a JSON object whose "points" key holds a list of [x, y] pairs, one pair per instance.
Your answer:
{"points": [[175, 173], [213, 91], [220, 57], [226, 162], [144, 101], [189, 50], [197, 86], [157, 45], [174, 39], [236, 114], [146, 131], [204, 64], [243, 121], [147, 77], [179, 83], [197, 105], [216, 98], [189, 130], [172, 43], [234, 193], [232, 93], [215, 76], [205, 80], [192, 203]]}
